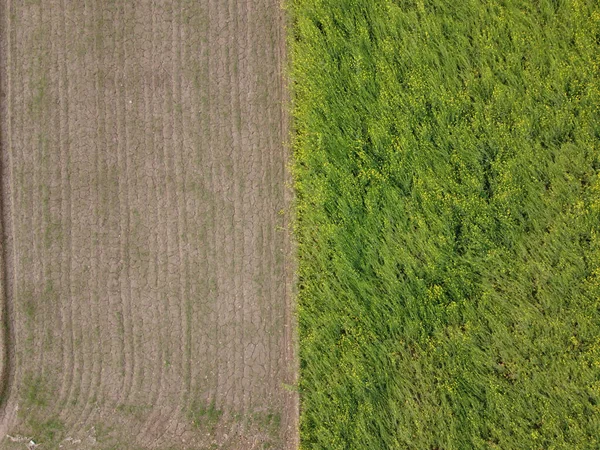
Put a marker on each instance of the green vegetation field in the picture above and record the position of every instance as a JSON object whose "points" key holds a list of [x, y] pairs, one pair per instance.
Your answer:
{"points": [[447, 171]]}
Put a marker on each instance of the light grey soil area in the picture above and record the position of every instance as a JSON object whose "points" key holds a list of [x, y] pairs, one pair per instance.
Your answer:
{"points": [[145, 252]]}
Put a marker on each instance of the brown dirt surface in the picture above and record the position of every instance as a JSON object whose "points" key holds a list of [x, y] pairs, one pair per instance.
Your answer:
{"points": [[145, 270]]}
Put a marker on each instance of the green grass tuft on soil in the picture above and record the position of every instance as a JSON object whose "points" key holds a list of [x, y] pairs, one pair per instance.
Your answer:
{"points": [[447, 158]]}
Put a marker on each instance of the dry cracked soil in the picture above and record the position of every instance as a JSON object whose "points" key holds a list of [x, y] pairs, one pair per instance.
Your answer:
{"points": [[145, 247]]}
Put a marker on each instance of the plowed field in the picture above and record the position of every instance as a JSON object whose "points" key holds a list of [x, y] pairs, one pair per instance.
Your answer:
{"points": [[145, 270]]}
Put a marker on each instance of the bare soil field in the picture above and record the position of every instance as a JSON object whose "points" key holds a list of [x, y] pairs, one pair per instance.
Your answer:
{"points": [[145, 253]]}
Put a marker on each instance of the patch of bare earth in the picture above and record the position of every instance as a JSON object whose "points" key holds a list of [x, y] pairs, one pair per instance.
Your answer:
{"points": [[145, 270]]}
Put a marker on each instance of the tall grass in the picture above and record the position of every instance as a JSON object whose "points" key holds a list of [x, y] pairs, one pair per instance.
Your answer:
{"points": [[447, 158]]}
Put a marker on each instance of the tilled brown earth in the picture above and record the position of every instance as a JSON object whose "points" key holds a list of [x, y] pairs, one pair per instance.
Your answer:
{"points": [[145, 270]]}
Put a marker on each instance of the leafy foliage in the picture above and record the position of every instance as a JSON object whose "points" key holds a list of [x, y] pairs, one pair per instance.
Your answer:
{"points": [[447, 158]]}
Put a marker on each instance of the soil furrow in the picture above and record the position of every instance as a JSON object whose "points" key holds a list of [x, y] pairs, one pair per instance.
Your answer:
{"points": [[178, 73], [92, 184], [239, 192], [36, 115], [66, 244], [215, 184], [7, 257], [73, 406], [290, 422], [112, 315], [158, 421], [14, 148], [114, 94]]}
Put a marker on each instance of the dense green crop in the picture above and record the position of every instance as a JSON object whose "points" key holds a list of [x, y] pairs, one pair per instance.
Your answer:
{"points": [[447, 170]]}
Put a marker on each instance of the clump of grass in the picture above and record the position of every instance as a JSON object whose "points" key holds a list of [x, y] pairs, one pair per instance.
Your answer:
{"points": [[267, 422], [139, 412], [46, 432], [446, 168], [36, 392], [35, 398], [205, 415]]}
